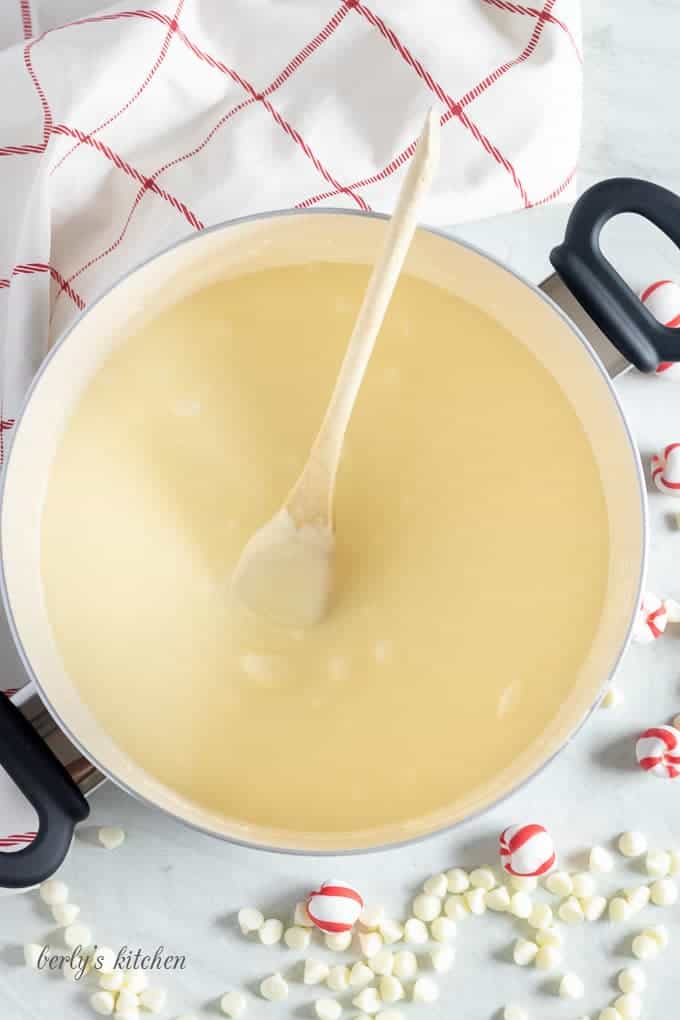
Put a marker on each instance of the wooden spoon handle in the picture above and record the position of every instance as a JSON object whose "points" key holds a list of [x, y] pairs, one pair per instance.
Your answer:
{"points": [[311, 499]]}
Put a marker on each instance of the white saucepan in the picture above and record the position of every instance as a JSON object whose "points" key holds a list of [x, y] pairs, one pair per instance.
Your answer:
{"points": [[289, 238]]}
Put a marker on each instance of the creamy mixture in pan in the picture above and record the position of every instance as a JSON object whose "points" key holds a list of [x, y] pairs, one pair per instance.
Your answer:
{"points": [[472, 548]]}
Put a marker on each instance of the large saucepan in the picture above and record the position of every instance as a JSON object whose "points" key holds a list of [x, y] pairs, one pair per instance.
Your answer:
{"points": [[292, 238]]}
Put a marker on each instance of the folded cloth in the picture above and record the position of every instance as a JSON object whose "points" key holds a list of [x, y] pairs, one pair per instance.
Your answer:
{"points": [[125, 128]]}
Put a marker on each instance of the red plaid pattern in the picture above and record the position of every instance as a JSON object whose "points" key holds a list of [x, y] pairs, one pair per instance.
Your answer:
{"points": [[130, 127]]}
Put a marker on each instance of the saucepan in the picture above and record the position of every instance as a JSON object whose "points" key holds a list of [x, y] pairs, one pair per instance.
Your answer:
{"points": [[289, 238]]}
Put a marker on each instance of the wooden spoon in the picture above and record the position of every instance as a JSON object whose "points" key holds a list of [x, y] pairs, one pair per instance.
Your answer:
{"points": [[285, 572]]}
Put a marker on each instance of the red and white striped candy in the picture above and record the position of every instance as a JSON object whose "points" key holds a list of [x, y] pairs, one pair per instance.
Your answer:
{"points": [[527, 850], [335, 906], [651, 619], [662, 298], [658, 751], [666, 469]]}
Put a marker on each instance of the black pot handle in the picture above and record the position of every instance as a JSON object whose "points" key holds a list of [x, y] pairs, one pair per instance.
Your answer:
{"points": [[48, 786], [594, 282]]}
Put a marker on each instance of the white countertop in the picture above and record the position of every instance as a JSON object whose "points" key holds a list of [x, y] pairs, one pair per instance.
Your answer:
{"points": [[168, 885]]}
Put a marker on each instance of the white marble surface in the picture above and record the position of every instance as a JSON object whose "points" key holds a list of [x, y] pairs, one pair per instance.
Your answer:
{"points": [[169, 885]]}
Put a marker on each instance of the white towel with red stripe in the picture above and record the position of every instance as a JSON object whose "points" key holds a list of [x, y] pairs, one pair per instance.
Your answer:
{"points": [[126, 127]]}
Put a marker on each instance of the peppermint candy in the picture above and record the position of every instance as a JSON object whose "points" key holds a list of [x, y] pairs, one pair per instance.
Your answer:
{"points": [[335, 907], [658, 751], [526, 850], [651, 619], [666, 469], [662, 298]]}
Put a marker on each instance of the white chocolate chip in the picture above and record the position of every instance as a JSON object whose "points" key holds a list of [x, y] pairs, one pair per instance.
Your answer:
{"points": [[371, 918], [270, 932], [559, 883], [475, 900], [111, 982], [541, 916], [415, 932], [154, 999], [571, 987], [338, 979], [632, 979], [483, 878], [391, 931], [368, 1000], [638, 897], [426, 908], [301, 918], [514, 1012], [32, 951], [664, 892], [425, 990], [250, 919], [632, 844], [405, 965], [127, 999], [548, 957], [570, 911], [612, 698], [65, 913], [77, 935], [524, 952], [110, 836], [274, 988], [327, 1009], [524, 883], [442, 929], [498, 899], [660, 933], [298, 938], [520, 904], [436, 885], [645, 947], [390, 988], [619, 910], [53, 891], [360, 975], [442, 959], [456, 908], [382, 962], [583, 884], [315, 972], [457, 880], [549, 937], [600, 861], [609, 1014], [135, 981], [371, 941], [657, 863], [629, 1006], [338, 941], [675, 861], [593, 907], [73, 968], [102, 1003], [104, 960]]}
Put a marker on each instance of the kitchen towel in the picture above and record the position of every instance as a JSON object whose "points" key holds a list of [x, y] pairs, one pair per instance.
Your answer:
{"points": [[125, 128]]}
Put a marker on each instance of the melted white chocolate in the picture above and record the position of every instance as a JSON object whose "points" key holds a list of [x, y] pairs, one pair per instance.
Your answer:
{"points": [[471, 554]]}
